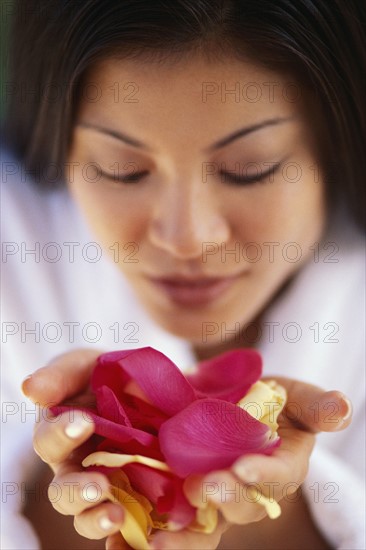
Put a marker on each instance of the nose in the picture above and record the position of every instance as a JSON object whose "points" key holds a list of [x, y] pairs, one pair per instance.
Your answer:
{"points": [[184, 217]]}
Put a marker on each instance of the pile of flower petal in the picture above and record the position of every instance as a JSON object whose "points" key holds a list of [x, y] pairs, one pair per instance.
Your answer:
{"points": [[158, 428]]}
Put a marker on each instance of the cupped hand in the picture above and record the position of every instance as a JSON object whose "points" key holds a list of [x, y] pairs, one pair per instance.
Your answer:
{"points": [[62, 442], [278, 476], [237, 491]]}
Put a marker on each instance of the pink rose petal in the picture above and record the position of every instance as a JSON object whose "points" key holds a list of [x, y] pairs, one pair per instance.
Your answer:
{"points": [[228, 376], [211, 434], [110, 408], [112, 430], [157, 376], [146, 406], [164, 490], [108, 371], [142, 415]]}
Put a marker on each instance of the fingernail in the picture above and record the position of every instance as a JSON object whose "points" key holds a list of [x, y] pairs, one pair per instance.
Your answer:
{"points": [[91, 492], [105, 523], [246, 472], [77, 427], [349, 408], [24, 385]]}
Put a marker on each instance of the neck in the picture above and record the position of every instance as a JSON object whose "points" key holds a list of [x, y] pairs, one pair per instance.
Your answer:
{"points": [[243, 339]]}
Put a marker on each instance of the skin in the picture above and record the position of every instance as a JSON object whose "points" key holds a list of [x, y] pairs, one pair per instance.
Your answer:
{"points": [[168, 216], [176, 208], [68, 375]]}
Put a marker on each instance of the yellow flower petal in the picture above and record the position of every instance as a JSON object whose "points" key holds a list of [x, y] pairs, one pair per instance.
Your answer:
{"points": [[137, 523], [206, 514], [272, 507], [115, 460], [206, 519], [265, 401]]}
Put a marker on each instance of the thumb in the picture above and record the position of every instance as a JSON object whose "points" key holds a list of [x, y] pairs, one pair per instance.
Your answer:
{"points": [[311, 408], [65, 376]]}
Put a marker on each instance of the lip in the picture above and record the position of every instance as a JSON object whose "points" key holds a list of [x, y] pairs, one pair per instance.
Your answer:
{"points": [[190, 292]]}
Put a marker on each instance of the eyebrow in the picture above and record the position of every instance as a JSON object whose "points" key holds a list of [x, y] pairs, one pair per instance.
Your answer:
{"points": [[118, 135], [248, 130], [217, 145]]}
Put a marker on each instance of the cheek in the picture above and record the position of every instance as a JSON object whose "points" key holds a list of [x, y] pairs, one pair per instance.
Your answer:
{"points": [[122, 225], [281, 211], [110, 215]]}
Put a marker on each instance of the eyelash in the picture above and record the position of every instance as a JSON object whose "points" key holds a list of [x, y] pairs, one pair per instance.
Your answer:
{"points": [[226, 177], [233, 179], [134, 177]]}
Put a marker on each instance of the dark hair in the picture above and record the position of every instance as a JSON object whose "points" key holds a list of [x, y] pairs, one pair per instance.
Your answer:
{"points": [[319, 42]]}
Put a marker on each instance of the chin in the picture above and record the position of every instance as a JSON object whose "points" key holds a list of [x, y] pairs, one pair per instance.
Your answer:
{"points": [[199, 328]]}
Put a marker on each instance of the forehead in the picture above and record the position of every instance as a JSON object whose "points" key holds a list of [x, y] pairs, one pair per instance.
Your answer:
{"points": [[187, 94]]}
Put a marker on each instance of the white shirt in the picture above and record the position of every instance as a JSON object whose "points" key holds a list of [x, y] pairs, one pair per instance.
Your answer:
{"points": [[61, 291]]}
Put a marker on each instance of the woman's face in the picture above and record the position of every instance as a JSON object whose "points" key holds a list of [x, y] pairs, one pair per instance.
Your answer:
{"points": [[201, 180]]}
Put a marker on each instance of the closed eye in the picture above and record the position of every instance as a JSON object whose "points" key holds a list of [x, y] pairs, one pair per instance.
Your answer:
{"points": [[133, 177], [260, 176], [226, 177]]}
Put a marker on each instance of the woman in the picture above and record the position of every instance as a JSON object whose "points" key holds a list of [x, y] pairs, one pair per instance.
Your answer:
{"points": [[197, 142]]}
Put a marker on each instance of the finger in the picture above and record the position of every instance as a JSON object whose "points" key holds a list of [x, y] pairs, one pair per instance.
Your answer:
{"points": [[65, 376], [99, 522], [234, 499], [56, 437], [74, 492], [311, 408], [287, 466], [237, 494]]}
